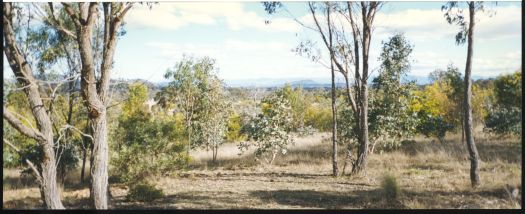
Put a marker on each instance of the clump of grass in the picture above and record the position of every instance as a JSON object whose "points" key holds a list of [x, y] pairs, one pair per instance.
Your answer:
{"points": [[144, 192], [390, 187]]}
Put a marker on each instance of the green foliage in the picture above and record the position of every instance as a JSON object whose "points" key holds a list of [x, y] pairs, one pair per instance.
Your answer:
{"points": [[450, 84], [390, 117], [454, 14], [211, 115], [144, 192], [234, 133], [390, 187], [138, 95], [507, 89], [431, 106], [298, 102], [504, 121], [199, 95], [319, 117], [146, 144], [505, 116], [271, 129]]}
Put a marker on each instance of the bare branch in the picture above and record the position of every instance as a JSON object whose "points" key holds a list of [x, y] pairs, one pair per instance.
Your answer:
{"points": [[120, 17]]}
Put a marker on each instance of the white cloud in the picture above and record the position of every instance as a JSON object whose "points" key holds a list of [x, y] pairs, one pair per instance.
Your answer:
{"points": [[246, 58], [428, 25], [238, 58], [173, 16]]}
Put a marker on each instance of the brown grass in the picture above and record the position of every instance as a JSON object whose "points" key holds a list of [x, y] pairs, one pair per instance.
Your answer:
{"points": [[429, 174]]}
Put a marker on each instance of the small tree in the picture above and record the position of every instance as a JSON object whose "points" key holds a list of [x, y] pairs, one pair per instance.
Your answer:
{"points": [[200, 96], [432, 105], [390, 116], [505, 116], [145, 144], [212, 116], [454, 15], [271, 129]]}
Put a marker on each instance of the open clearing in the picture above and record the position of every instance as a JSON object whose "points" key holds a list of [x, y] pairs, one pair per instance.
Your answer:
{"points": [[431, 175]]}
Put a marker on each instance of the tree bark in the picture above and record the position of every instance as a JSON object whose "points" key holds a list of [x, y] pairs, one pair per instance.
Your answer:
{"points": [[44, 134], [362, 152], [83, 169], [95, 92], [99, 172], [471, 146], [335, 168]]}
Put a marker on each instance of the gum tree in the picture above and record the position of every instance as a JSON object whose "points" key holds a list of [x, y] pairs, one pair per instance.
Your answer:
{"points": [[454, 15]]}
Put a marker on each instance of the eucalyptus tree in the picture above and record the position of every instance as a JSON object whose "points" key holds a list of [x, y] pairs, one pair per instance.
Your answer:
{"points": [[454, 15], [338, 16], [390, 116], [95, 88], [211, 124], [197, 93], [46, 171], [270, 130], [455, 90], [504, 116]]}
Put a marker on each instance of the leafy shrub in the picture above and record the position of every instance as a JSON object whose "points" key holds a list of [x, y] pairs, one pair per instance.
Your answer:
{"points": [[390, 187], [319, 118], [504, 121], [147, 146], [144, 192], [271, 129], [505, 116], [434, 126]]}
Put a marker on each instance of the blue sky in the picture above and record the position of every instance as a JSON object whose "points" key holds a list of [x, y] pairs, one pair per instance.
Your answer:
{"points": [[235, 35]]}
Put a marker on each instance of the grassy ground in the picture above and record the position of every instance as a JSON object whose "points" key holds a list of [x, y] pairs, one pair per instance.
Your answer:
{"points": [[429, 175]]}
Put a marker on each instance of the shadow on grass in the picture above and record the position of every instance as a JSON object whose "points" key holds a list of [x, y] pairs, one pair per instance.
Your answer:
{"points": [[18, 182], [457, 199], [22, 204], [488, 150], [187, 200], [312, 155], [328, 200]]}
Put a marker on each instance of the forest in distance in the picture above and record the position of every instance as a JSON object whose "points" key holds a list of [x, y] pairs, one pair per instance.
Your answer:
{"points": [[78, 136]]}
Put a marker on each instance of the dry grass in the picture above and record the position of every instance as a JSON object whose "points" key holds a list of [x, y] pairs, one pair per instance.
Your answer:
{"points": [[429, 175]]}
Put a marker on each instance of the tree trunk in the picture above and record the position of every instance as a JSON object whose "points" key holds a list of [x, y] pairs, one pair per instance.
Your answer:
{"points": [[44, 134], [84, 156], [471, 146], [49, 186], [362, 151], [99, 171], [214, 153], [335, 167], [462, 127], [334, 125]]}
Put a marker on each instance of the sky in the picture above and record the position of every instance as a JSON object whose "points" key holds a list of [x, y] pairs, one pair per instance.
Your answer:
{"points": [[244, 47]]}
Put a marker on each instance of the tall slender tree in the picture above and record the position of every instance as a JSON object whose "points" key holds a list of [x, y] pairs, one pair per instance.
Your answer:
{"points": [[342, 55], [454, 15]]}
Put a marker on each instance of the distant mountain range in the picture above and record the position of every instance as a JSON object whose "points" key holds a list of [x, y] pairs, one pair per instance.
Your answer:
{"points": [[312, 83], [279, 82]]}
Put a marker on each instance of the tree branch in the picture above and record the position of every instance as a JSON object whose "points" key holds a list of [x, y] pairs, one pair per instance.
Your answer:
{"points": [[29, 163], [57, 24], [18, 125], [74, 16]]}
